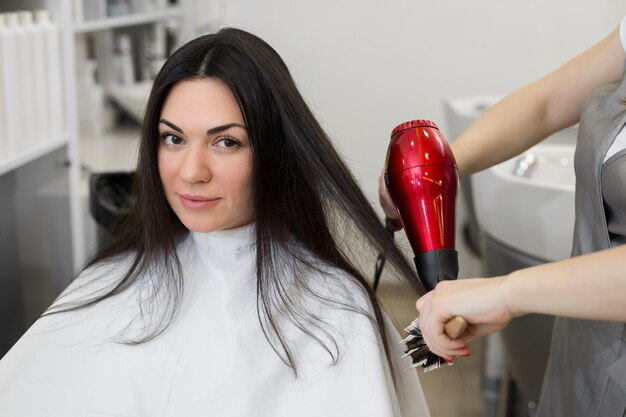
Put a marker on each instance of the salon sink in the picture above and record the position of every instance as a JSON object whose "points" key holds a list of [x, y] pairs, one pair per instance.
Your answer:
{"points": [[527, 202], [131, 98]]}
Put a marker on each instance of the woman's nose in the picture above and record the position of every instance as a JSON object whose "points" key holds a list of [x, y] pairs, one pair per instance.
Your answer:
{"points": [[195, 166]]}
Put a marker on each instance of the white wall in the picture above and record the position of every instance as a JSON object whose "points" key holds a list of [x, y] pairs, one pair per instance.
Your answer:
{"points": [[365, 65]]}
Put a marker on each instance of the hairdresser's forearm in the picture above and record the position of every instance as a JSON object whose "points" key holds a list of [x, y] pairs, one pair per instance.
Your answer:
{"points": [[589, 287], [506, 129], [534, 112]]}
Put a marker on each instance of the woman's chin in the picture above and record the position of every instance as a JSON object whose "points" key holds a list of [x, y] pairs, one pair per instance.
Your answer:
{"points": [[207, 227]]}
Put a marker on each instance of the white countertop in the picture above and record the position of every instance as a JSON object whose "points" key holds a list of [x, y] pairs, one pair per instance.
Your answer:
{"points": [[114, 151]]}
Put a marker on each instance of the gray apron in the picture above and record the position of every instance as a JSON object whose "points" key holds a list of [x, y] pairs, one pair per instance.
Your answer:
{"points": [[586, 372]]}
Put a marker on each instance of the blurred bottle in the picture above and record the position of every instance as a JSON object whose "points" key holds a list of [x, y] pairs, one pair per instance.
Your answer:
{"points": [[4, 152], [40, 117], [26, 100], [124, 59], [11, 99], [90, 97], [53, 79]]}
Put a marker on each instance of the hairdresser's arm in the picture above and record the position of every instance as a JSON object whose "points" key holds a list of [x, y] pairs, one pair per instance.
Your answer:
{"points": [[588, 287], [529, 115]]}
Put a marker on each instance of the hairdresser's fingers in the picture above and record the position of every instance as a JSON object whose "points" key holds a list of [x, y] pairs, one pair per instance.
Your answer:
{"points": [[421, 302], [452, 298], [432, 323], [385, 201], [432, 327], [439, 343], [477, 330], [480, 301]]}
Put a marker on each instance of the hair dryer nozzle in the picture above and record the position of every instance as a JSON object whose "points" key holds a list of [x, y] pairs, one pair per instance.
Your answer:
{"points": [[436, 265]]}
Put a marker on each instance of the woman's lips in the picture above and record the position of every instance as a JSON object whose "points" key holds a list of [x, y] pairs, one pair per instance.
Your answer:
{"points": [[194, 202]]}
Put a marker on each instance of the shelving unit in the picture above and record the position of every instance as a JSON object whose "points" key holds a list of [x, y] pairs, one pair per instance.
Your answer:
{"points": [[129, 20], [82, 239], [24, 158], [43, 212]]}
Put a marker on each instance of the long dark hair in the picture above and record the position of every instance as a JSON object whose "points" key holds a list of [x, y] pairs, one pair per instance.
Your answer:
{"points": [[307, 204]]}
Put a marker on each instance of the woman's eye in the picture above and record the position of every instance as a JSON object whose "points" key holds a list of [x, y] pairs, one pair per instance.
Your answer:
{"points": [[170, 139], [227, 142]]}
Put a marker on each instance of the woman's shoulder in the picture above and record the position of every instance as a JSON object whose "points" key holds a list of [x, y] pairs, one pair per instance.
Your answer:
{"points": [[95, 280]]}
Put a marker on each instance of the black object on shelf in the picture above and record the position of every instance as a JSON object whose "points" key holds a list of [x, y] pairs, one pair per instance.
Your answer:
{"points": [[110, 196]]}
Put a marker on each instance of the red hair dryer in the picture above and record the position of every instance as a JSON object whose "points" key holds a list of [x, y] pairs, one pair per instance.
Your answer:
{"points": [[422, 180]]}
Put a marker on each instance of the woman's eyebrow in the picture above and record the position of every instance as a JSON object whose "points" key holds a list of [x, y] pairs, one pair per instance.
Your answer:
{"points": [[211, 131], [221, 128], [172, 125]]}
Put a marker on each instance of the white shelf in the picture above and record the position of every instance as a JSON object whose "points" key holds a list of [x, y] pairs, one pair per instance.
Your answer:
{"points": [[127, 20], [23, 158]]}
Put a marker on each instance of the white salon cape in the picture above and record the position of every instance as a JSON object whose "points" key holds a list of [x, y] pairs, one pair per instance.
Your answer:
{"points": [[213, 360]]}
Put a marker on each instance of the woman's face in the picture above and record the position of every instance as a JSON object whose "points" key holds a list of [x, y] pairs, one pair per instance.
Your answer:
{"points": [[204, 156]]}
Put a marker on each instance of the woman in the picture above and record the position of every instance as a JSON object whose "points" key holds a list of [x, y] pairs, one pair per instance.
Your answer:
{"points": [[227, 291], [586, 373]]}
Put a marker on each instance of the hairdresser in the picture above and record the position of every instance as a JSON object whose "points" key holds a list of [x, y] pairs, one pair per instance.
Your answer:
{"points": [[586, 372]]}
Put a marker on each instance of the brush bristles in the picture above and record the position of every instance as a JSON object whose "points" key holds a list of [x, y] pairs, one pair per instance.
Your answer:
{"points": [[417, 349]]}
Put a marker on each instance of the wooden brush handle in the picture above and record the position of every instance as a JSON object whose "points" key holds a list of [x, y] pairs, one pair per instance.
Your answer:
{"points": [[455, 327]]}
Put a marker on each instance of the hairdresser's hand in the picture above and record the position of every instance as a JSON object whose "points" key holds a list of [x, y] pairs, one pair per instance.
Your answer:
{"points": [[392, 217], [481, 302]]}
